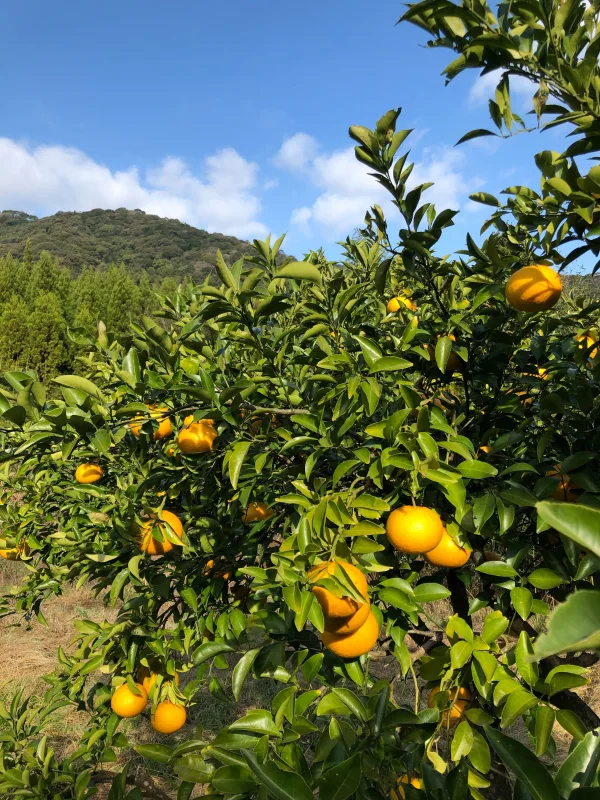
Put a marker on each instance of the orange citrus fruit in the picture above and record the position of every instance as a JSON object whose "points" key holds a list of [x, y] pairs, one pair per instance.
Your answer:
{"points": [[14, 553], [566, 487], [344, 625], [127, 704], [396, 303], [256, 512], [414, 529], [398, 790], [338, 607], [448, 553], [164, 423], [458, 697], [168, 717], [150, 545], [534, 288], [353, 644], [88, 473], [196, 437]]}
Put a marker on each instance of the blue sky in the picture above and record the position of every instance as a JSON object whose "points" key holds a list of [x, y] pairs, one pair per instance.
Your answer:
{"points": [[233, 116]]}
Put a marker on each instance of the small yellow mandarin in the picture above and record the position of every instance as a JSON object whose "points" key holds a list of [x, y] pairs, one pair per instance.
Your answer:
{"points": [[448, 553], [353, 644], [88, 473], [150, 545], [127, 704], [333, 606], [168, 717], [256, 512], [534, 288], [414, 529]]}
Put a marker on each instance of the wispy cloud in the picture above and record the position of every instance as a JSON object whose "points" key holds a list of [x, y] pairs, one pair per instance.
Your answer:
{"points": [[345, 190], [46, 179]]}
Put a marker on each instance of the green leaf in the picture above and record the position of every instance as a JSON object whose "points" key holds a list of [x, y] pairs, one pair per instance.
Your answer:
{"points": [[580, 766], [498, 569], [494, 626], [460, 653], [579, 522], [521, 599], [390, 364], [257, 721], [193, 769], [155, 752], [522, 763], [82, 384], [241, 670], [342, 780], [544, 722], [283, 785], [477, 469], [571, 723], [524, 657], [573, 626], [443, 348], [479, 755], [233, 779], [462, 741], [430, 592], [209, 650], [545, 579], [352, 701], [236, 461], [224, 272], [300, 271], [485, 198], [475, 134]]}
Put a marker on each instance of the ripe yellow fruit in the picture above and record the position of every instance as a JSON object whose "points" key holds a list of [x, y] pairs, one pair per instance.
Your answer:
{"points": [[354, 644], [448, 553], [168, 717], [150, 545], [196, 437], [345, 625], [127, 704], [566, 487], [338, 607], [256, 512], [148, 678], [585, 342], [88, 473], [164, 423], [396, 303], [398, 790], [534, 288], [414, 529], [453, 715], [14, 553]]}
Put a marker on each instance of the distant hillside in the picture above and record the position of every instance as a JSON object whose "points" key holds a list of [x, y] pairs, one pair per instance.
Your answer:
{"points": [[141, 241]]}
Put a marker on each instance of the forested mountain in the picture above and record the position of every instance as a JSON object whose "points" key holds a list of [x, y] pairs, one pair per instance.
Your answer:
{"points": [[143, 242]]}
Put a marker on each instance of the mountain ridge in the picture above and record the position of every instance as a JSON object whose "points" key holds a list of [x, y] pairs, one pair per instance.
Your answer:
{"points": [[158, 245]]}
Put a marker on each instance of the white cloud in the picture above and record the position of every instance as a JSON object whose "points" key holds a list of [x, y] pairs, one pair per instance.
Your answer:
{"points": [[347, 190], [46, 179], [483, 87], [296, 152]]}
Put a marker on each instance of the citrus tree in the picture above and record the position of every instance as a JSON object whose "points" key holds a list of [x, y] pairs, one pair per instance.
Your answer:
{"points": [[367, 481]]}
